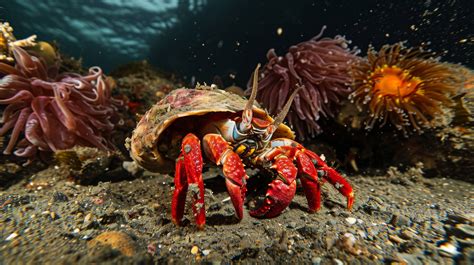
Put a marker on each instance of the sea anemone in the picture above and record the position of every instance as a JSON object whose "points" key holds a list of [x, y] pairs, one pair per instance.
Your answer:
{"points": [[322, 67], [48, 112], [407, 87]]}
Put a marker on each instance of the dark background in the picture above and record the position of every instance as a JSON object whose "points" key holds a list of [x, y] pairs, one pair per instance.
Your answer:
{"points": [[208, 38]]}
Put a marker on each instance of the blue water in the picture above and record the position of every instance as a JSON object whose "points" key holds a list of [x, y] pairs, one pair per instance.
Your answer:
{"points": [[207, 38]]}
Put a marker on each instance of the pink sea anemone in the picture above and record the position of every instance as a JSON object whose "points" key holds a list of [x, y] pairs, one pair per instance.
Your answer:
{"points": [[47, 112], [322, 67]]}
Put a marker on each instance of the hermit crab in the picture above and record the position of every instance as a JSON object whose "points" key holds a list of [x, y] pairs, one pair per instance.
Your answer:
{"points": [[233, 133]]}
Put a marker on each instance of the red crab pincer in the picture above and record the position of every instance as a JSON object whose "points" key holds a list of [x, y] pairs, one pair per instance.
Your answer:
{"points": [[233, 133]]}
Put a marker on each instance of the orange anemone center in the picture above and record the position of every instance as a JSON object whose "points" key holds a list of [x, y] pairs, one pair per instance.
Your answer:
{"points": [[394, 81]]}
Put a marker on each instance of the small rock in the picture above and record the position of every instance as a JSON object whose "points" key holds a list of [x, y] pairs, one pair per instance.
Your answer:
{"points": [[400, 220], [87, 234], [11, 236], [348, 242], [53, 215], [151, 249], [338, 262], [291, 225], [46, 213], [206, 252], [448, 250], [59, 197], [88, 218], [308, 230], [465, 243], [116, 240], [407, 234], [131, 167], [461, 218], [316, 260], [465, 230], [362, 234], [113, 226], [396, 239], [330, 241], [15, 243], [373, 232], [194, 250], [351, 220]]}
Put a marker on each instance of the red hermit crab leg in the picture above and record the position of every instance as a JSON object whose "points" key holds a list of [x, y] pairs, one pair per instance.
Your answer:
{"points": [[328, 173], [312, 171], [280, 191], [218, 151], [309, 180], [189, 176]]}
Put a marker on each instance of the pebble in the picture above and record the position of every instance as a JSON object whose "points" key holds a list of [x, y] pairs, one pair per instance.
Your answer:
{"points": [[406, 234], [53, 215], [113, 226], [448, 250], [396, 239], [116, 240], [362, 234], [11, 236], [206, 252], [400, 220], [351, 220], [465, 230], [87, 234], [291, 225], [131, 167], [194, 250], [88, 218], [338, 262], [151, 249], [59, 197], [348, 242], [461, 218], [316, 260]]}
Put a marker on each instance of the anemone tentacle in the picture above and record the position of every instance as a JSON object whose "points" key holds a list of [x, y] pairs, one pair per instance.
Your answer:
{"points": [[48, 112], [321, 66]]}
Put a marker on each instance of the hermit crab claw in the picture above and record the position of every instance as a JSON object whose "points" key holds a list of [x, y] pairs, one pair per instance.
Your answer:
{"points": [[247, 114]]}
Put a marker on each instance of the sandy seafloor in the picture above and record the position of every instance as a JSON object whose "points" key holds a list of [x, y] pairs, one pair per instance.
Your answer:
{"points": [[398, 218]]}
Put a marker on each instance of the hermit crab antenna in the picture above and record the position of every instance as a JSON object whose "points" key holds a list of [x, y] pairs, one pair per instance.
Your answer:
{"points": [[247, 114], [281, 116]]}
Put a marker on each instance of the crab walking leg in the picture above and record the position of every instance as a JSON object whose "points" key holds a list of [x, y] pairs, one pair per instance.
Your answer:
{"points": [[280, 191], [189, 176], [292, 148], [219, 151], [331, 175], [308, 176], [180, 189]]}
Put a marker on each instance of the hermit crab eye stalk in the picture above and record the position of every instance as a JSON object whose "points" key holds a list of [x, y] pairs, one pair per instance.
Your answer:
{"points": [[281, 116], [247, 114]]}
